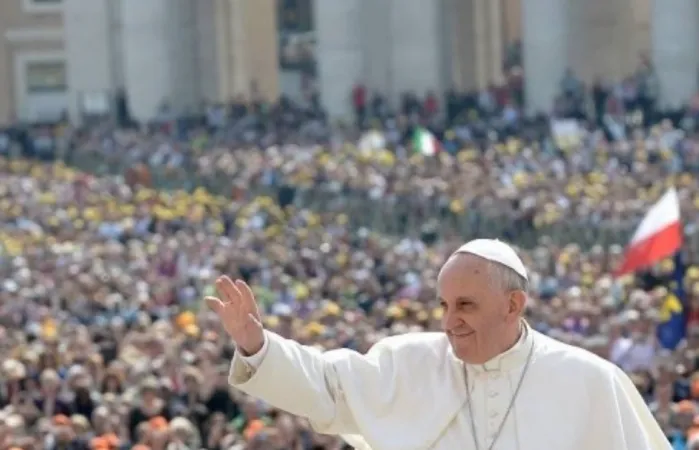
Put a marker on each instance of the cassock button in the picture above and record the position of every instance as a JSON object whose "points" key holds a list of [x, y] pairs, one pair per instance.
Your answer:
{"points": [[493, 414], [492, 394]]}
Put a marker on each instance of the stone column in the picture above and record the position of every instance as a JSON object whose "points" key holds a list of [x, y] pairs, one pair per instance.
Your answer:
{"points": [[512, 14], [480, 40], [88, 47], [603, 40], [377, 46], [222, 49], [417, 28], [642, 24], [462, 30], [207, 58], [496, 45], [675, 49], [148, 67], [339, 53], [239, 53], [544, 46], [183, 50], [262, 46]]}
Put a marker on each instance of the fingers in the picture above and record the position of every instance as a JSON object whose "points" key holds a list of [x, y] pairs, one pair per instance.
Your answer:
{"points": [[218, 306], [255, 320], [238, 294], [215, 304], [247, 295], [228, 290]]}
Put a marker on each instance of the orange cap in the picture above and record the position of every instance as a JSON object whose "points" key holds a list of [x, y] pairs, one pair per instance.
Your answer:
{"points": [[61, 419], [253, 428], [158, 423], [99, 443]]}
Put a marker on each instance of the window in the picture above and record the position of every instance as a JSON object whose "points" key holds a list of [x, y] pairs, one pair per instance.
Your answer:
{"points": [[46, 77], [296, 35], [295, 15]]}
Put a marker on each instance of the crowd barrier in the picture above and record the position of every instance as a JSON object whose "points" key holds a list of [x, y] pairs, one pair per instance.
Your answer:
{"points": [[410, 216]]}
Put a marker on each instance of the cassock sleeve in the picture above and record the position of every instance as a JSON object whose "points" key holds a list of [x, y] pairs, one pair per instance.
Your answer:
{"points": [[626, 423], [376, 398], [304, 381]]}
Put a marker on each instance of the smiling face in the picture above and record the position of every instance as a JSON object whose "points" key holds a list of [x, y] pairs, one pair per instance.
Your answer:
{"points": [[481, 312]]}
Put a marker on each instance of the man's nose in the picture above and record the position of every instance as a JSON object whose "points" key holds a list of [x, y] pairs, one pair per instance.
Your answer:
{"points": [[452, 321]]}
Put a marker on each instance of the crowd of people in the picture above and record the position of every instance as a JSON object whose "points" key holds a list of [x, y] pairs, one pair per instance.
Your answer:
{"points": [[108, 246]]}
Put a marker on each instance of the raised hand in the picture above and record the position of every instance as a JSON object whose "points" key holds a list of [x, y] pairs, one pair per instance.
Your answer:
{"points": [[237, 309]]}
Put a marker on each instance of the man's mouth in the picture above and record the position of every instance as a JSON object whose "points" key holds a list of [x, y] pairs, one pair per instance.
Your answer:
{"points": [[461, 334]]}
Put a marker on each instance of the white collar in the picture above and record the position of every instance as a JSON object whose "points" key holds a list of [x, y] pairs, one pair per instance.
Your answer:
{"points": [[511, 359]]}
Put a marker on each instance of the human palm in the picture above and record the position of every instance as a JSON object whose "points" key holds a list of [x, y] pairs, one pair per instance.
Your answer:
{"points": [[237, 310]]}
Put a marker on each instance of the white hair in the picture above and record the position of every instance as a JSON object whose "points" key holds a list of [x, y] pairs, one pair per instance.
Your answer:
{"points": [[505, 278]]}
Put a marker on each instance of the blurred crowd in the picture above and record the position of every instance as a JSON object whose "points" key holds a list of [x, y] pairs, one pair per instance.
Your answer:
{"points": [[110, 238]]}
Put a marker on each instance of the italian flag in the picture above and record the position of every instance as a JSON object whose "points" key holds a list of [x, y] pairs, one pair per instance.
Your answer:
{"points": [[425, 143]]}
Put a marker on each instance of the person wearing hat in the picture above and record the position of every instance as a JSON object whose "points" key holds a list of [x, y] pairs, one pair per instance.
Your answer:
{"points": [[488, 381]]}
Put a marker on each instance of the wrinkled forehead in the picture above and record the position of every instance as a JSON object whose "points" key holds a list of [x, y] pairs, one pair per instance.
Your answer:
{"points": [[464, 263], [461, 273]]}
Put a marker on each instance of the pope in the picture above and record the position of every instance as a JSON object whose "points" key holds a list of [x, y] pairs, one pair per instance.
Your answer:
{"points": [[486, 382]]}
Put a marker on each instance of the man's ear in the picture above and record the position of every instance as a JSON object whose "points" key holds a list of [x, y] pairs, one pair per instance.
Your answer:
{"points": [[517, 303]]}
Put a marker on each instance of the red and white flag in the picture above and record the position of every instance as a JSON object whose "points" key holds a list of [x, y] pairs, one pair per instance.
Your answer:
{"points": [[657, 237]]}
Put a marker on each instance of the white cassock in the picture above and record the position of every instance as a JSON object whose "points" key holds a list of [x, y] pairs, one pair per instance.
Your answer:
{"points": [[409, 393]]}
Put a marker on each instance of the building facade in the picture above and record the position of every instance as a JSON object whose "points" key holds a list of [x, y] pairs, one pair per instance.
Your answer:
{"points": [[33, 64], [606, 39], [397, 45], [387, 45], [174, 53], [72, 56]]}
